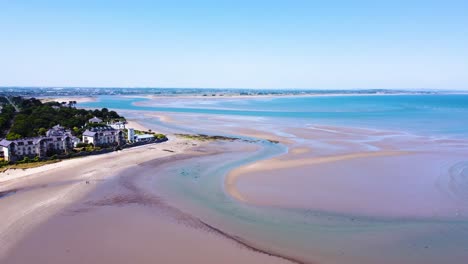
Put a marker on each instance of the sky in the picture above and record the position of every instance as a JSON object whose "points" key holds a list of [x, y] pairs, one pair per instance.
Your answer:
{"points": [[235, 44]]}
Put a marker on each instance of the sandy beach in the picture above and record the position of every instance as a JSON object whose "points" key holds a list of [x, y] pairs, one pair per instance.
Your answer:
{"points": [[304, 181], [36, 194], [91, 210], [136, 125], [252, 132]]}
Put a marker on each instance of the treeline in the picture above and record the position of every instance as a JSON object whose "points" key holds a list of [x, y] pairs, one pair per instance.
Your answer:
{"points": [[35, 117], [6, 116]]}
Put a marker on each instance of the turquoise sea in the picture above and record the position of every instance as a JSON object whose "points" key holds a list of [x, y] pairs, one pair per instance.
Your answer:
{"points": [[309, 235], [432, 115]]}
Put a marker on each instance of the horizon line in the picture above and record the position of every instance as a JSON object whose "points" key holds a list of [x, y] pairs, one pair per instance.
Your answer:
{"points": [[234, 88]]}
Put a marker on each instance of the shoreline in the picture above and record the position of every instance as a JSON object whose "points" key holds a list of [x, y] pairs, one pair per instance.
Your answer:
{"points": [[41, 192], [10, 174], [81, 184], [126, 193], [120, 207]]}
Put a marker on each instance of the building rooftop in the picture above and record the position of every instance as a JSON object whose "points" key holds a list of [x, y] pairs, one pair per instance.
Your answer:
{"points": [[144, 136], [88, 133], [34, 140], [58, 131], [5, 143], [95, 120], [101, 128], [118, 123]]}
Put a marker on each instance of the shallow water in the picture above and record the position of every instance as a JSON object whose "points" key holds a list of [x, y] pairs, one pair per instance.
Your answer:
{"points": [[306, 234], [433, 125], [432, 115]]}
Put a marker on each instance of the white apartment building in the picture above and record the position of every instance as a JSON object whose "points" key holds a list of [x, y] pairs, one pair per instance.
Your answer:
{"points": [[103, 136], [58, 140]]}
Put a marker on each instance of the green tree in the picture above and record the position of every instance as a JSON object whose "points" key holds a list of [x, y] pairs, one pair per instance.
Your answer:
{"points": [[13, 136], [42, 131], [36, 116]]}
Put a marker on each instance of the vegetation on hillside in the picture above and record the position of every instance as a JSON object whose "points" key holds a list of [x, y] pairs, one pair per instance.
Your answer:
{"points": [[35, 117], [31, 117], [6, 116]]}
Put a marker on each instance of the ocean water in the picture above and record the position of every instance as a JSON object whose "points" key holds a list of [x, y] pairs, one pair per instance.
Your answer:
{"points": [[310, 236], [429, 115], [319, 236]]}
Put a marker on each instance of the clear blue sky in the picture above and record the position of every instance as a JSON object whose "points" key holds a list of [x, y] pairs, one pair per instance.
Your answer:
{"points": [[251, 44]]}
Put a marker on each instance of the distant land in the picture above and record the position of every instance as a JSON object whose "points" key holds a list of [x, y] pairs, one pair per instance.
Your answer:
{"points": [[90, 91]]}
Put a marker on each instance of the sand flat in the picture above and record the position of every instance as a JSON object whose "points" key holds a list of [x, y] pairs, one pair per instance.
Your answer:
{"points": [[89, 210], [119, 223], [344, 172], [358, 172], [38, 195], [395, 186]]}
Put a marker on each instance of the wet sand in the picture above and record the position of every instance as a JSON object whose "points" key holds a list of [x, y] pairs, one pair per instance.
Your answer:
{"points": [[136, 125], [344, 172], [31, 197], [123, 221], [359, 172], [267, 168], [102, 209], [370, 185], [353, 171]]}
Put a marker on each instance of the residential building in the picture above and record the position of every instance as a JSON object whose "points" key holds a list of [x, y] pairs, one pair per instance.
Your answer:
{"points": [[95, 120], [76, 141], [130, 135], [103, 136], [58, 140], [117, 125], [144, 138], [58, 130]]}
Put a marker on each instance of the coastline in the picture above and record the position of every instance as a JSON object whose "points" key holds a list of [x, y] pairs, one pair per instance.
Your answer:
{"points": [[44, 191], [48, 197], [14, 174], [125, 213], [329, 178], [136, 125]]}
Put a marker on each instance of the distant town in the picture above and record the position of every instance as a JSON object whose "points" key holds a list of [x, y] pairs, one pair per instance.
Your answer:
{"points": [[32, 131]]}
